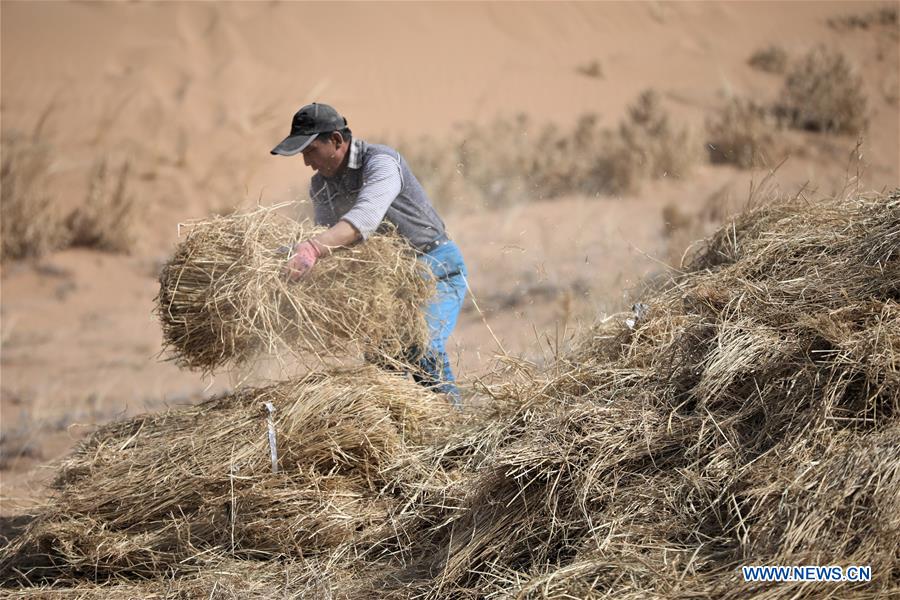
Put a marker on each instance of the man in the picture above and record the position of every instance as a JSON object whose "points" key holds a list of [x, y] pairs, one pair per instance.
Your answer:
{"points": [[356, 187]]}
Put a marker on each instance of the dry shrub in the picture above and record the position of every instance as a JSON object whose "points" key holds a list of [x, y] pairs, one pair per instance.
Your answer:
{"points": [[224, 298], [822, 92], [170, 492], [772, 59], [591, 69], [742, 134], [513, 160], [22, 441], [649, 146], [31, 223], [885, 16], [106, 219]]}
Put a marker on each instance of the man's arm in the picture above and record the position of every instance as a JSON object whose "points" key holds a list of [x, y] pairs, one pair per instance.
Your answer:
{"points": [[340, 235], [383, 184]]}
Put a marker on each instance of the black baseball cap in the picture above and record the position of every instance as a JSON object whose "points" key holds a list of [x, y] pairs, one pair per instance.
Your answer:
{"points": [[309, 121]]}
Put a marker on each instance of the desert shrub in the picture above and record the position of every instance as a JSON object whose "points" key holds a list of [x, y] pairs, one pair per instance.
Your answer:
{"points": [[594, 160], [654, 147], [19, 442], [591, 69], [499, 170], [514, 160], [105, 220], [822, 92], [772, 59], [740, 134], [31, 224], [885, 16]]}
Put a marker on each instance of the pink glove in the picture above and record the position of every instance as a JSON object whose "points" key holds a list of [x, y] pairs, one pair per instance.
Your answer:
{"points": [[302, 260]]}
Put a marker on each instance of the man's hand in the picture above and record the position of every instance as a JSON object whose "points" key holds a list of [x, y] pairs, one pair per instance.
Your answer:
{"points": [[305, 255]]}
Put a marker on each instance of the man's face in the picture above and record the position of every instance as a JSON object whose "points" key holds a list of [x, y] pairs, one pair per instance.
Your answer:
{"points": [[324, 156]]}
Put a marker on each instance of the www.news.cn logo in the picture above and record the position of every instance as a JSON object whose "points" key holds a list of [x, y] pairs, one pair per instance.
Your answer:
{"points": [[807, 573]]}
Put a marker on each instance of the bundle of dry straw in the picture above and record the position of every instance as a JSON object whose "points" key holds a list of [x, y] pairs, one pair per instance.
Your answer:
{"points": [[750, 417], [178, 491], [224, 298]]}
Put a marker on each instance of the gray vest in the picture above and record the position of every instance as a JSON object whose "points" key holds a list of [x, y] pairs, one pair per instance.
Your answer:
{"points": [[411, 211]]}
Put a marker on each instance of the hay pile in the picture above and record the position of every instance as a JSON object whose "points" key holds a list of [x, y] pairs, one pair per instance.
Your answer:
{"points": [[750, 417], [175, 492], [224, 298]]}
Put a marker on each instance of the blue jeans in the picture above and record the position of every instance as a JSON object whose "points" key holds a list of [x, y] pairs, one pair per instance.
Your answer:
{"points": [[449, 270]]}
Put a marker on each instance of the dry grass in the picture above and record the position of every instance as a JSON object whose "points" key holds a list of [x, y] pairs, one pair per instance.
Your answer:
{"points": [[822, 92], [176, 490], [682, 228], [20, 442], [33, 224], [749, 415], [511, 161], [742, 134], [224, 298], [771, 59], [653, 146], [885, 16], [106, 219], [592, 69], [720, 431]]}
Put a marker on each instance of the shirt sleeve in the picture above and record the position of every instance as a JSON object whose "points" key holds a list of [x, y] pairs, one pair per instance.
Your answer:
{"points": [[382, 182]]}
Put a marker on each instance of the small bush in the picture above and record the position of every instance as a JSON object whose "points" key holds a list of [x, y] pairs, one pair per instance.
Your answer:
{"points": [[591, 69], [773, 59], [823, 93], [20, 442], [740, 135], [654, 147], [513, 160], [105, 220], [30, 223], [886, 16]]}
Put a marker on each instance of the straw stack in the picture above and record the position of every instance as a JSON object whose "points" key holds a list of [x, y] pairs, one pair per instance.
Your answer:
{"points": [[749, 417], [169, 492], [224, 298]]}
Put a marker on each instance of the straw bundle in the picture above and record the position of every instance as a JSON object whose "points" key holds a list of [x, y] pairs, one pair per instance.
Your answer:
{"points": [[222, 579], [749, 418], [164, 493], [224, 298]]}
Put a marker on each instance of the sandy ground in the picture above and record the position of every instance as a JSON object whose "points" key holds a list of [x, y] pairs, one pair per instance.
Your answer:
{"points": [[195, 95]]}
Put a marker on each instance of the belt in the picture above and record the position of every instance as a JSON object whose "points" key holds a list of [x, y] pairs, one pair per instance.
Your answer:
{"points": [[433, 244]]}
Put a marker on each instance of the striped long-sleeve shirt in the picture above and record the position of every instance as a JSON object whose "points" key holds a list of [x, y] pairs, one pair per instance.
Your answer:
{"points": [[376, 186]]}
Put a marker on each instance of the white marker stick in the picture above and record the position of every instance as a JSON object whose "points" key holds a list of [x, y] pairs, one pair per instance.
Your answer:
{"points": [[273, 449]]}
